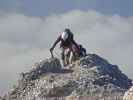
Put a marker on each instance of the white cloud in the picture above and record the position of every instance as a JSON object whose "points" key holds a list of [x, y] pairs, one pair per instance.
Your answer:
{"points": [[25, 40]]}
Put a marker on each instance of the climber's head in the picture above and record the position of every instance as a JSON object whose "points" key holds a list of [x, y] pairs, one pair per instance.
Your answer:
{"points": [[64, 35]]}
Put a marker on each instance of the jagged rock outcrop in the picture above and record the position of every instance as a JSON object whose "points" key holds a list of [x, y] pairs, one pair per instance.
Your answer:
{"points": [[92, 76], [129, 94]]}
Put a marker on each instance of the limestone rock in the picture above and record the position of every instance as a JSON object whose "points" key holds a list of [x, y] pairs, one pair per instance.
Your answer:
{"points": [[94, 78]]}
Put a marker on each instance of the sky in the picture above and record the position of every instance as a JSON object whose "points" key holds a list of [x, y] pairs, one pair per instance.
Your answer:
{"points": [[29, 27]]}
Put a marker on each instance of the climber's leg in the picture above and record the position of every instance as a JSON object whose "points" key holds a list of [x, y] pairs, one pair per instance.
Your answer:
{"points": [[63, 56]]}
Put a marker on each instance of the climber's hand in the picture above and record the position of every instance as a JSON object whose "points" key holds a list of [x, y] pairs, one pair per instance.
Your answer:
{"points": [[51, 51]]}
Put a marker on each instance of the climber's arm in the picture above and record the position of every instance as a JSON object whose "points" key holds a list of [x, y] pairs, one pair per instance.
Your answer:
{"points": [[55, 43]]}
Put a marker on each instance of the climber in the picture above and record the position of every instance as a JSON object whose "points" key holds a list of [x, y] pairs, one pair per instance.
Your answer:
{"points": [[67, 42]]}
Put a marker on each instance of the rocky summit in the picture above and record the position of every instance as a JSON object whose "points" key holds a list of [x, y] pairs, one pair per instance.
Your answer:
{"points": [[91, 77]]}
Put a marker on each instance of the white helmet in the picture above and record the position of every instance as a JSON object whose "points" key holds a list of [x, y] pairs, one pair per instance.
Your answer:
{"points": [[64, 35]]}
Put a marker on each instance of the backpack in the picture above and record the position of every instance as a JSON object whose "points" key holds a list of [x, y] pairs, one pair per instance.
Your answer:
{"points": [[82, 51]]}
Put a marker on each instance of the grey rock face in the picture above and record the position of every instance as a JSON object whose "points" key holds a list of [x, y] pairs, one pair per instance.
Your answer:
{"points": [[108, 73], [48, 65], [93, 76]]}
